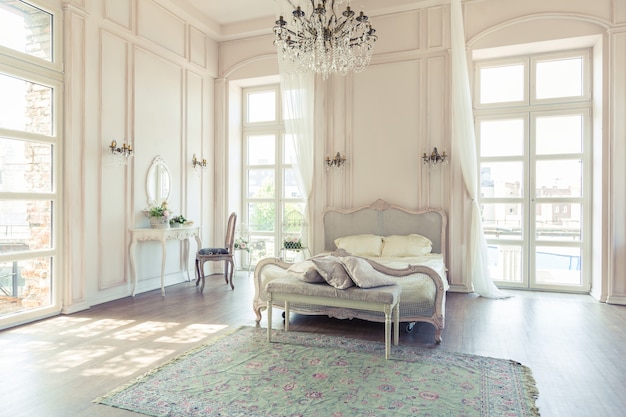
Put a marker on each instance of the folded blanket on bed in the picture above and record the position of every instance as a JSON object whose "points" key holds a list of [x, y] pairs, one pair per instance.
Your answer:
{"points": [[341, 272]]}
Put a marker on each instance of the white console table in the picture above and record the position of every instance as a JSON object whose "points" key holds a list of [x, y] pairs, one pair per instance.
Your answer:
{"points": [[162, 235]]}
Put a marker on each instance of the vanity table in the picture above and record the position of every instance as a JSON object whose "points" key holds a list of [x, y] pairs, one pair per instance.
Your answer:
{"points": [[143, 234]]}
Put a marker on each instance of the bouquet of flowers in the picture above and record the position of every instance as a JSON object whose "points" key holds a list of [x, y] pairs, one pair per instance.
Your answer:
{"points": [[242, 244], [160, 211], [180, 219]]}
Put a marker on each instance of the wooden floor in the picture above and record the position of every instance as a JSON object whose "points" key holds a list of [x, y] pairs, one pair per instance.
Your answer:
{"points": [[575, 346]]}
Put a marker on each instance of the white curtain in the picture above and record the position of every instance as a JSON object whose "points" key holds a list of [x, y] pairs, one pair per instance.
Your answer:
{"points": [[298, 105], [464, 145]]}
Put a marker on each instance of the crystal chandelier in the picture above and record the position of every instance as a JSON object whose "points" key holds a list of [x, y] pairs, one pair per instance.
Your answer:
{"points": [[324, 40]]}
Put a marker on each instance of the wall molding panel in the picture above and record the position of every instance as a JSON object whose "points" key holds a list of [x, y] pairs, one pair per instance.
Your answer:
{"points": [[152, 18]]}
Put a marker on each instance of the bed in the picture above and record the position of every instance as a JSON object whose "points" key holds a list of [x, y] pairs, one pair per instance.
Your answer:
{"points": [[420, 273]]}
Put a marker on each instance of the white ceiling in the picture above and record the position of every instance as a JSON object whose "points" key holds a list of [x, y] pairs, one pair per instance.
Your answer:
{"points": [[225, 12], [230, 19]]}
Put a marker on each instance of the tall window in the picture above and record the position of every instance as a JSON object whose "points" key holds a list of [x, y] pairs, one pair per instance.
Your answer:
{"points": [[534, 136], [29, 152], [273, 202]]}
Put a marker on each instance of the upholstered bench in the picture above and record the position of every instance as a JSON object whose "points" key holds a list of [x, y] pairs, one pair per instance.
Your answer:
{"points": [[383, 299]]}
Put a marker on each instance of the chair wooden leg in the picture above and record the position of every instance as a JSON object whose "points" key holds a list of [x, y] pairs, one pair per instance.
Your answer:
{"points": [[232, 271], [197, 272], [226, 271], [200, 273]]}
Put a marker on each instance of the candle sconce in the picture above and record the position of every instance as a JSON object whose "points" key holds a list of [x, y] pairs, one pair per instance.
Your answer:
{"points": [[435, 158], [121, 154], [198, 163], [337, 162]]}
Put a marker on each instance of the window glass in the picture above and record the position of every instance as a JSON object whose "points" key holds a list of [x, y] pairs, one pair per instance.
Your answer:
{"points": [[559, 134], [289, 153], [25, 106], [502, 84], [558, 265], [559, 78], [291, 189], [26, 29], [502, 137], [29, 280], [261, 217], [261, 149], [505, 262], [25, 225], [558, 221], [501, 179], [502, 220], [559, 178], [261, 183], [261, 106], [25, 166]]}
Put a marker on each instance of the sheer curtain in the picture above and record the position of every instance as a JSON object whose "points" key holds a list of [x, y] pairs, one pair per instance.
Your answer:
{"points": [[298, 93], [298, 105], [464, 145]]}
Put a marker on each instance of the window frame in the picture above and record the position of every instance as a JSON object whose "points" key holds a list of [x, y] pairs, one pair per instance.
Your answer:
{"points": [[530, 110], [49, 74], [276, 128]]}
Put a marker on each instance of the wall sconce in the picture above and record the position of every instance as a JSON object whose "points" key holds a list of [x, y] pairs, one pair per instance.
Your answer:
{"points": [[197, 163], [435, 158], [121, 153], [337, 162]]}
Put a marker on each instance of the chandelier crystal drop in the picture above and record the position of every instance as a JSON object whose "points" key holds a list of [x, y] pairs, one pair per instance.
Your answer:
{"points": [[324, 40]]}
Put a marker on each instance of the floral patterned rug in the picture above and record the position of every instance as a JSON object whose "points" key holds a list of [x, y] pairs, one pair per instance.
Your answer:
{"points": [[304, 374]]}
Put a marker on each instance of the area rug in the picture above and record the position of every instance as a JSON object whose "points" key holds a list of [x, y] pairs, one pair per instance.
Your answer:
{"points": [[304, 374]]}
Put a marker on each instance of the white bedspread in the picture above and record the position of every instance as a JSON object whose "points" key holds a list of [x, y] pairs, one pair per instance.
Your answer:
{"points": [[432, 260]]}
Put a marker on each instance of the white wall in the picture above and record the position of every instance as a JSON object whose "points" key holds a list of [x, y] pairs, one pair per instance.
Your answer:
{"points": [[385, 117], [168, 91], [140, 71]]}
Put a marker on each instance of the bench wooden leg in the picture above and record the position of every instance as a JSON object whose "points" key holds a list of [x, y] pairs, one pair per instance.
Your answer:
{"points": [[387, 331], [286, 316], [269, 318], [396, 324]]}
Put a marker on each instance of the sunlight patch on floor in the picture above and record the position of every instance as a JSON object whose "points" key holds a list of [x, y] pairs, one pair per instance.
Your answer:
{"points": [[97, 327], [45, 326], [143, 330], [192, 333], [129, 362], [72, 358]]}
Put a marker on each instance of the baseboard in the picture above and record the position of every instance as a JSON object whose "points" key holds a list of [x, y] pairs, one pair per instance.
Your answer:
{"points": [[460, 288], [618, 300], [75, 308]]}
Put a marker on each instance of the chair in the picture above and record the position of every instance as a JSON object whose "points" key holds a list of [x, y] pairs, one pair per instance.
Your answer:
{"points": [[219, 254]]}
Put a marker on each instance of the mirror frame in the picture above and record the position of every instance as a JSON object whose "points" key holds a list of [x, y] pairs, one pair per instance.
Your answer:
{"points": [[158, 174]]}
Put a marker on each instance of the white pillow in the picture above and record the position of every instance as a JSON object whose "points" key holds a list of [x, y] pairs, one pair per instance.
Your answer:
{"points": [[333, 272], [361, 245], [305, 271], [409, 245], [363, 274]]}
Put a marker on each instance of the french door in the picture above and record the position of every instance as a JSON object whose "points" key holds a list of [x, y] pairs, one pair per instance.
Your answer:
{"points": [[534, 198], [533, 129], [272, 196]]}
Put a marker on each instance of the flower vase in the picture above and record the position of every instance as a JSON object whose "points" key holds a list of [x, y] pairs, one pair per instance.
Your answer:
{"points": [[159, 222]]}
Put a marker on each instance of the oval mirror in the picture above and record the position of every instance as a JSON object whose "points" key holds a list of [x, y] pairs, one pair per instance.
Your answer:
{"points": [[158, 182]]}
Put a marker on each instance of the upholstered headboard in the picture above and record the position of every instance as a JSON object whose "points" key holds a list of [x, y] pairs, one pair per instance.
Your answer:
{"points": [[384, 219]]}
